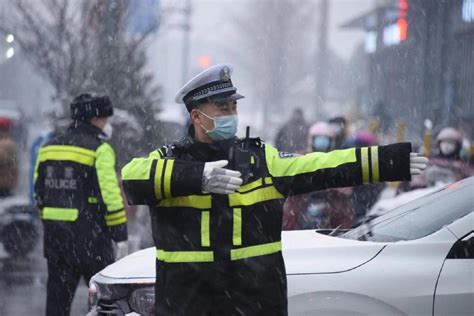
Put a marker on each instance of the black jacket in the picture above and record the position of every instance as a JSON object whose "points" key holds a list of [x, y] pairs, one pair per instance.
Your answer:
{"points": [[78, 194], [190, 225]]}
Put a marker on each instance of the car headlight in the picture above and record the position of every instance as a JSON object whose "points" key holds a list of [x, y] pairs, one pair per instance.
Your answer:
{"points": [[92, 293], [109, 292], [142, 300]]}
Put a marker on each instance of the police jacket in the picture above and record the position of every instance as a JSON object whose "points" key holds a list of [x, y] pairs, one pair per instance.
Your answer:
{"points": [[190, 225], [77, 191]]}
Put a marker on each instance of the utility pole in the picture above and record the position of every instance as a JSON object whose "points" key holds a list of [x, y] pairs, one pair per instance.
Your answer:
{"points": [[186, 40], [322, 55]]}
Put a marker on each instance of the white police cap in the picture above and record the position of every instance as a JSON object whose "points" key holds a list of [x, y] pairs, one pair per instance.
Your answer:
{"points": [[212, 84]]}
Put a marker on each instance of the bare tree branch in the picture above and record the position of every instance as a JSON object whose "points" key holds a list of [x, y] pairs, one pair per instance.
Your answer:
{"points": [[82, 46]]}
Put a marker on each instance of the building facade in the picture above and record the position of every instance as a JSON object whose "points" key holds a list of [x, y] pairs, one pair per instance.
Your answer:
{"points": [[420, 62]]}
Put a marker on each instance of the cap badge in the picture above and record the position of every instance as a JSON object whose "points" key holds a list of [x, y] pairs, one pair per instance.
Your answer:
{"points": [[225, 73]]}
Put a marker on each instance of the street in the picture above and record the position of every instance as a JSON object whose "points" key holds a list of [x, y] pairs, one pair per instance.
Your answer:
{"points": [[23, 284]]}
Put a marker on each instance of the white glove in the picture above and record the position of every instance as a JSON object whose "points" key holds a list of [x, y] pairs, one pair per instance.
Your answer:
{"points": [[121, 249], [216, 179], [417, 163]]}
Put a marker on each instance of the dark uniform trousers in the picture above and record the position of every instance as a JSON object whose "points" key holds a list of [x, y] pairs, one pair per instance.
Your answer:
{"points": [[221, 254], [81, 206], [253, 286], [63, 278]]}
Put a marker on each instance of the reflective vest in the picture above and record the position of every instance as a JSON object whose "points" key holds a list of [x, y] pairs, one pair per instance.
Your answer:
{"points": [[190, 225], [76, 188]]}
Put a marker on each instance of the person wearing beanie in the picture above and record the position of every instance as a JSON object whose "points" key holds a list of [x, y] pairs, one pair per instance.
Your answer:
{"points": [[80, 202]]}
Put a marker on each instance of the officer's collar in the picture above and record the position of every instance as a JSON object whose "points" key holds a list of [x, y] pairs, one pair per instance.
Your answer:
{"points": [[204, 151], [85, 127]]}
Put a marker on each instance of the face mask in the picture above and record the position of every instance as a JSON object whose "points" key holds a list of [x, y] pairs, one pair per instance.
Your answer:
{"points": [[108, 130], [447, 148], [321, 143], [225, 127]]}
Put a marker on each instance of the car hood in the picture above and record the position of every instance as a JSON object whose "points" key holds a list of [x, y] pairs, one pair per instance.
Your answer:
{"points": [[307, 252], [304, 251], [139, 265]]}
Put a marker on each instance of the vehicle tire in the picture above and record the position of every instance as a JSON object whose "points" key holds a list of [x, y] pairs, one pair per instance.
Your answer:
{"points": [[19, 238]]}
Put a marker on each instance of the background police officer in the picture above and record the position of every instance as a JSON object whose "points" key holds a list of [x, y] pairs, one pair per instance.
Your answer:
{"points": [[81, 206], [217, 203]]}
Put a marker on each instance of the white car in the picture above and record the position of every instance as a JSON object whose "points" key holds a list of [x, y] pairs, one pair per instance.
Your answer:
{"points": [[417, 259]]}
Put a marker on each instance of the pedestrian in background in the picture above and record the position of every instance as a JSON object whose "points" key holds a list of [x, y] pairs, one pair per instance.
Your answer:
{"points": [[340, 128], [290, 138], [8, 159], [79, 197], [324, 209]]}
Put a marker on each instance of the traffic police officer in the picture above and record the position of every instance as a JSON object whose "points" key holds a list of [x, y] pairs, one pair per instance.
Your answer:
{"points": [[216, 203], [80, 201]]}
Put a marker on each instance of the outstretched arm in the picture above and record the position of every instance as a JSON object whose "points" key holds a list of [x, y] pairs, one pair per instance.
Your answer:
{"points": [[339, 168]]}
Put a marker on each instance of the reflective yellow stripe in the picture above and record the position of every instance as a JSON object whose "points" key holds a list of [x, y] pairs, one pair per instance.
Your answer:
{"points": [[67, 156], [205, 237], [250, 186], [237, 232], [374, 155], [115, 215], [202, 202], [63, 148], [118, 221], [92, 199], [137, 169], [168, 171], [184, 256], [158, 177], [107, 178], [364, 156], [254, 197], [69, 153], [255, 251], [35, 176], [291, 166], [60, 214], [255, 184]]}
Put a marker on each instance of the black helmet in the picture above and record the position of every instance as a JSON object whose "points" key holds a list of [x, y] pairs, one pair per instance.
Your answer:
{"points": [[86, 106]]}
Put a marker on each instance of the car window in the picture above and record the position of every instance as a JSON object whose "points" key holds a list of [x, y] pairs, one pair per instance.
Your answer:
{"points": [[419, 218]]}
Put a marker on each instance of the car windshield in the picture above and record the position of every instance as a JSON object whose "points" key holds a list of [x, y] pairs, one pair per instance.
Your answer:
{"points": [[421, 217]]}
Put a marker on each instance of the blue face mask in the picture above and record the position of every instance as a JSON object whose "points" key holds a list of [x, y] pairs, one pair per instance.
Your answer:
{"points": [[225, 127], [321, 143]]}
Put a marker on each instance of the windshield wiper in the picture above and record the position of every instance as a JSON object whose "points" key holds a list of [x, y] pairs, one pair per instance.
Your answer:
{"points": [[334, 230], [368, 233], [365, 220]]}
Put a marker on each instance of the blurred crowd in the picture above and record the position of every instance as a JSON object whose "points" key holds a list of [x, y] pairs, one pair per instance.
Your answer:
{"points": [[451, 159], [8, 158]]}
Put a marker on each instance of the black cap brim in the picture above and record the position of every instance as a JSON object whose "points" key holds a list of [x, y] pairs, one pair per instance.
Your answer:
{"points": [[219, 99], [229, 98]]}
